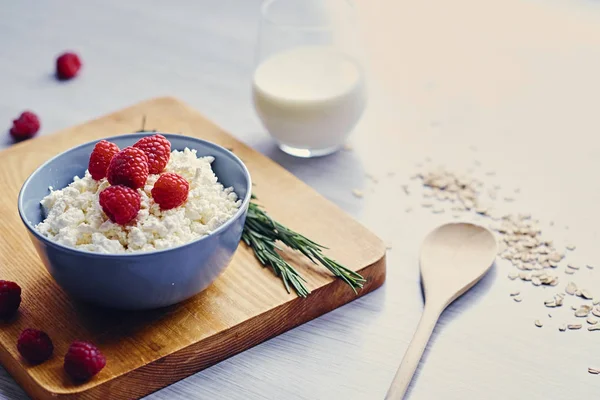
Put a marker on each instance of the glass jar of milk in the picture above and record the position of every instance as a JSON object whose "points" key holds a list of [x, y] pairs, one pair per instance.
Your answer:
{"points": [[309, 85]]}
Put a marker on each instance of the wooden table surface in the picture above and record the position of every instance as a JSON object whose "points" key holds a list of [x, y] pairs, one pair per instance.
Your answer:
{"points": [[516, 79]]}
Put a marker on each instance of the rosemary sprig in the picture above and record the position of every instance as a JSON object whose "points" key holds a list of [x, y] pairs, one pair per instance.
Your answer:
{"points": [[261, 233]]}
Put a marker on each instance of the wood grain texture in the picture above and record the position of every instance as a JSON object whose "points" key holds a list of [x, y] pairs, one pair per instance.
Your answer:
{"points": [[245, 306]]}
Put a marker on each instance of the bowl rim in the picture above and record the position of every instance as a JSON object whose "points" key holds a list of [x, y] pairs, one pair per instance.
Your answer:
{"points": [[241, 210]]}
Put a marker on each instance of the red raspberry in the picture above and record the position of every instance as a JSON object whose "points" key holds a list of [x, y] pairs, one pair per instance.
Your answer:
{"points": [[128, 167], [35, 346], [100, 158], [10, 298], [83, 360], [170, 190], [25, 127], [158, 150], [120, 203], [67, 66]]}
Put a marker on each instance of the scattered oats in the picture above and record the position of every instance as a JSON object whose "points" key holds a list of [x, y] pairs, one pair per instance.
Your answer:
{"points": [[596, 312], [591, 321], [570, 246], [481, 210], [574, 326], [583, 312], [590, 266], [573, 308], [549, 315], [556, 256], [357, 193], [586, 295], [572, 266], [596, 301], [438, 210], [571, 288], [513, 275], [515, 293], [562, 328], [405, 188], [556, 301], [525, 276], [427, 204], [569, 271], [388, 246], [372, 177], [594, 371], [536, 281], [518, 299], [594, 328], [538, 323]]}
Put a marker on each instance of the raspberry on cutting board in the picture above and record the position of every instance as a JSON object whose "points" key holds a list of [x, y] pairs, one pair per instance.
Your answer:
{"points": [[83, 360], [128, 167], [35, 346], [170, 190], [10, 298], [100, 158], [120, 203], [158, 150], [25, 127]]}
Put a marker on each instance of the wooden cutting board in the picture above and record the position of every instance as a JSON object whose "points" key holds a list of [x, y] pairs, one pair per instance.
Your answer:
{"points": [[148, 350]]}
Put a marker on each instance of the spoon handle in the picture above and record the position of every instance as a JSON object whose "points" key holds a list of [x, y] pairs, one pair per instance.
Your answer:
{"points": [[413, 354]]}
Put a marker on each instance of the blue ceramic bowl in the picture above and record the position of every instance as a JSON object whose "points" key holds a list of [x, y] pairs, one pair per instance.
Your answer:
{"points": [[136, 281]]}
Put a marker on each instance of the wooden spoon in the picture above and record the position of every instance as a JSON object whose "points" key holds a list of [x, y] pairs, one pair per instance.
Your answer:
{"points": [[453, 258]]}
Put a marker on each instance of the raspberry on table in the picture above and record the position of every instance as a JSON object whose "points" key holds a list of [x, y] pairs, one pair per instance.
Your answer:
{"points": [[100, 158], [10, 298], [120, 203], [128, 167], [25, 127], [67, 65], [35, 346], [83, 360], [170, 190], [158, 149]]}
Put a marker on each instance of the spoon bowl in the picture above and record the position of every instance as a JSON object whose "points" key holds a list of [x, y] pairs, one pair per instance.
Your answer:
{"points": [[454, 257]]}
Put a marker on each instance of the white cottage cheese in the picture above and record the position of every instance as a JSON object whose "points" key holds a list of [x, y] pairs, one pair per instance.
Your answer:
{"points": [[74, 217]]}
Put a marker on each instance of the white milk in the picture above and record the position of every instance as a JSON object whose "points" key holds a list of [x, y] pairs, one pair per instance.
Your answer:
{"points": [[309, 97]]}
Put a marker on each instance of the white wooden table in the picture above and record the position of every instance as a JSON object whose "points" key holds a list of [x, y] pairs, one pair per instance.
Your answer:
{"points": [[518, 79]]}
